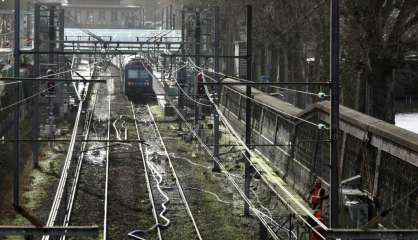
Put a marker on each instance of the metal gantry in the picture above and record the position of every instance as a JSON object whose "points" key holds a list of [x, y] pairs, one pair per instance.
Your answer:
{"points": [[98, 47]]}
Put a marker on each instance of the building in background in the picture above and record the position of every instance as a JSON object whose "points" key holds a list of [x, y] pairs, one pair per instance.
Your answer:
{"points": [[104, 14], [7, 23]]}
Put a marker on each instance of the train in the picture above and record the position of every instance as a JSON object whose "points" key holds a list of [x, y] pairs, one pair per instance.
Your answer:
{"points": [[137, 78]]}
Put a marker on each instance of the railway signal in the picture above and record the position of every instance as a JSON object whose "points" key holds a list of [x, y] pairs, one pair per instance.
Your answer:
{"points": [[200, 85], [50, 83]]}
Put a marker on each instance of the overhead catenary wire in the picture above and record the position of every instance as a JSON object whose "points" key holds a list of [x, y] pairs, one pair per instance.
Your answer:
{"points": [[23, 101], [264, 104], [26, 99], [225, 171], [248, 81], [282, 199], [9, 83], [181, 88], [240, 141], [187, 95], [268, 184]]}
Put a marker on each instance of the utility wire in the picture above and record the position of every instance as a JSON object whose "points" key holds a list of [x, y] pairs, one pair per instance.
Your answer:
{"points": [[320, 126], [239, 140], [181, 88], [225, 171], [28, 98], [248, 81], [36, 94], [9, 83], [243, 195], [248, 201]]}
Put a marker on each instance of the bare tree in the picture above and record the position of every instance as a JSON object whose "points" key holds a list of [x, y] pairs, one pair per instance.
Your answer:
{"points": [[378, 36]]}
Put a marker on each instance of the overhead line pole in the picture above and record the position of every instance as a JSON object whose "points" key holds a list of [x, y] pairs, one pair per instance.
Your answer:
{"points": [[182, 73], [216, 167], [197, 52], [248, 93], [36, 74], [335, 111], [16, 150]]}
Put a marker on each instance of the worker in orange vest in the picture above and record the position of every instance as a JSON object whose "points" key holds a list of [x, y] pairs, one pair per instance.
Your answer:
{"points": [[313, 235], [317, 195]]}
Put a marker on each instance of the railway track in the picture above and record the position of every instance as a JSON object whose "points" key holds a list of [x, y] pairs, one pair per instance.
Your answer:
{"points": [[63, 202], [130, 188], [170, 201], [91, 187]]}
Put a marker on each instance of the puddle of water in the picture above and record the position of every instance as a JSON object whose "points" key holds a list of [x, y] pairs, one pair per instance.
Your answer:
{"points": [[96, 154], [407, 121]]}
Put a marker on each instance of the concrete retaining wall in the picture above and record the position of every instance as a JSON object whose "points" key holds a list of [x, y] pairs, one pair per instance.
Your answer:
{"points": [[384, 155]]}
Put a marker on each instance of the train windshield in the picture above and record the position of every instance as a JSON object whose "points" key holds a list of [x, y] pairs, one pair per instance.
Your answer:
{"points": [[133, 73], [138, 73]]}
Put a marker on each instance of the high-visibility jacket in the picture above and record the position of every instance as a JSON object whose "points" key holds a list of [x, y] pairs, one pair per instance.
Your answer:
{"points": [[316, 196], [313, 235]]}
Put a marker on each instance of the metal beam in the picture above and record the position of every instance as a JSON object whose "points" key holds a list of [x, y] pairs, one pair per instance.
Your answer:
{"points": [[107, 52], [248, 127], [203, 56], [265, 83], [182, 72], [16, 146], [217, 97], [119, 42], [91, 231], [69, 140], [49, 79], [335, 113], [36, 73], [372, 234], [197, 60]]}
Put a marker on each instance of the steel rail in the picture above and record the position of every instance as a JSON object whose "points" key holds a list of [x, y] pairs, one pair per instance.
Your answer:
{"points": [[225, 171], [150, 194], [78, 170], [31, 231], [179, 187], [106, 200], [264, 180], [244, 197], [64, 174], [248, 201], [63, 180]]}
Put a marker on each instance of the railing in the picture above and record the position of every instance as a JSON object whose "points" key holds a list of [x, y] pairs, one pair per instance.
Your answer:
{"points": [[385, 156]]}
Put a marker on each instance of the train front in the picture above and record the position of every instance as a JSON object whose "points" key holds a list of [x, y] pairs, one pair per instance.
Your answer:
{"points": [[138, 79]]}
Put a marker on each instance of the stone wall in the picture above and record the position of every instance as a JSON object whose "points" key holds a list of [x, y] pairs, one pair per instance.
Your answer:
{"points": [[384, 155]]}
